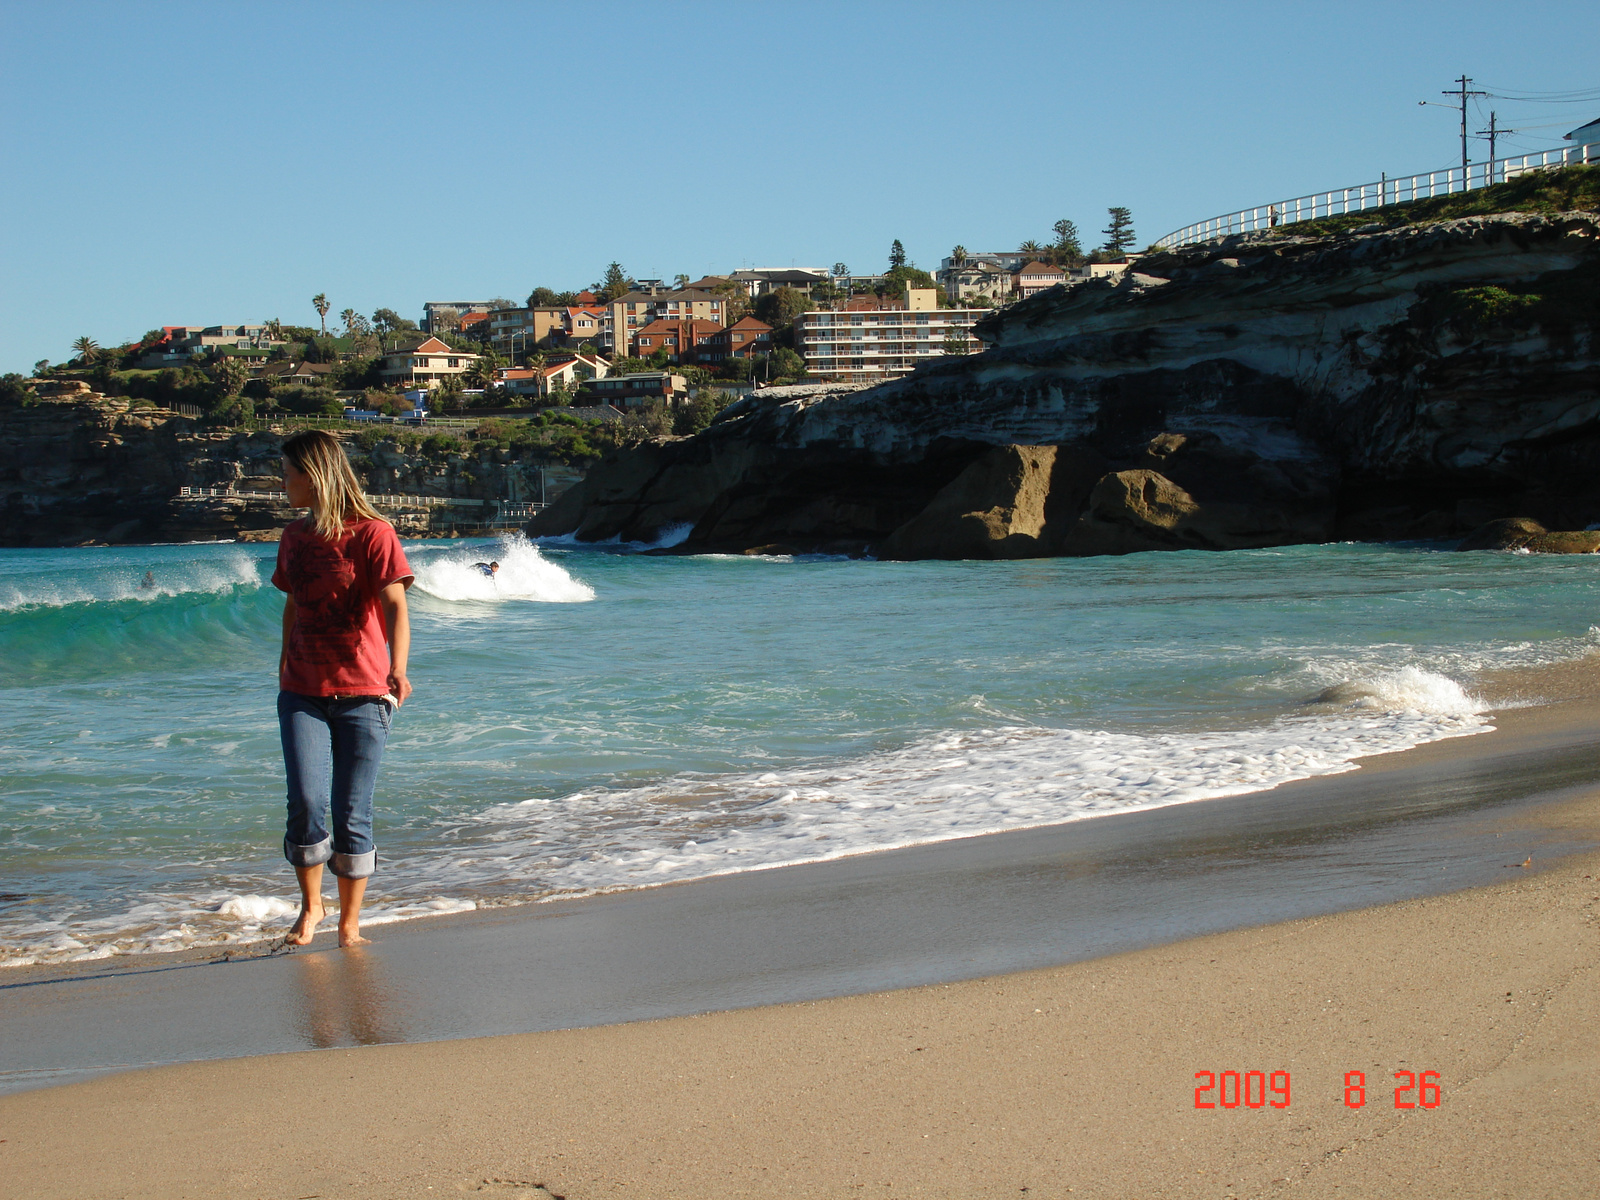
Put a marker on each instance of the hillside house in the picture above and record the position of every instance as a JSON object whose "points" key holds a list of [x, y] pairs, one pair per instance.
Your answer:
{"points": [[1036, 277], [424, 363], [632, 391]]}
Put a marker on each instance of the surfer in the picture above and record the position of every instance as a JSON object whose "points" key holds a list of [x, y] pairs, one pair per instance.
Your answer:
{"points": [[491, 569], [148, 583], [341, 671]]}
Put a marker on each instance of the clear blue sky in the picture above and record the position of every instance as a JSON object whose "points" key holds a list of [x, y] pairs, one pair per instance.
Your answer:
{"points": [[199, 163]]}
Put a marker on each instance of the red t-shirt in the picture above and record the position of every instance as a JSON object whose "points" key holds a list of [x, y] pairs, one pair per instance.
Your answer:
{"points": [[338, 645]]}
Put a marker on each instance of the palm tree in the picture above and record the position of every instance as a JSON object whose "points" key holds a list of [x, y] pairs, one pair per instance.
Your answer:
{"points": [[320, 303], [1031, 247], [958, 256], [348, 316], [86, 347]]}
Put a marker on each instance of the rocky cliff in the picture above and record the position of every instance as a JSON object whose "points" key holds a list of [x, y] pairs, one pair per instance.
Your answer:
{"points": [[78, 467], [1267, 389]]}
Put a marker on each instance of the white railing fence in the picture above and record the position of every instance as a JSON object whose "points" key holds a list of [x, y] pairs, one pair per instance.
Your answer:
{"points": [[378, 501], [1377, 195]]}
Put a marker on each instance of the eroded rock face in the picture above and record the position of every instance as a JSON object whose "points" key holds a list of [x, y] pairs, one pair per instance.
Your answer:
{"points": [[79, 467], [1524, 533], [1258, 391]]}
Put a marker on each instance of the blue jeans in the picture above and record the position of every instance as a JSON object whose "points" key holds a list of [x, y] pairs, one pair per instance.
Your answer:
{"points": [[331, 752]]}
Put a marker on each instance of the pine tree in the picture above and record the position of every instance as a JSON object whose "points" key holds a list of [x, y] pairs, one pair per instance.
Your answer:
{"points": [[616, 283], [1119, 234], [897, 255], [1067, 249]]}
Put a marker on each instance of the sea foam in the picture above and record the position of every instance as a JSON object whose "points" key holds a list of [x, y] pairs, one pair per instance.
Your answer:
{"points": [[524, 574]]}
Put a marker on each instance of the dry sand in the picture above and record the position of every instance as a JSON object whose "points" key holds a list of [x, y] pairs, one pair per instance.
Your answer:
{"points": [[1073, 1080]]}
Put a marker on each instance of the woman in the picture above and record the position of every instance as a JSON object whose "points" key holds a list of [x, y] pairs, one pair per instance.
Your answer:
{"points": [[342, 673]]}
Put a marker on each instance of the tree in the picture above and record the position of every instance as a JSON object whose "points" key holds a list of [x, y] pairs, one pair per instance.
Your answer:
{"points": [[897, 255], [680, 281], [386, 320], [543, 297], [228, 376], [840, 270], [898, 280], [786, 364], [481, 373], [320, 303], [697, 414], [87, 348], [40, 367], [781, 306], [1119, 234], [1067, 249], [956, 342], [958, 256], [616, 285], [272, 329], [321, 350], [1032, 248]]}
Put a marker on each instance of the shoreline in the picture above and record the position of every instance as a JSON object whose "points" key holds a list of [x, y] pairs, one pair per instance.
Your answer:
{"points": [[912, 1030], [1077, 1077]]}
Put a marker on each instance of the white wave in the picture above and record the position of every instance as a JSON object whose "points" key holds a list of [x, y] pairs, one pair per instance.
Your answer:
{"points": [[524, 574], [1407, 690], [253, 910], [213, 576], [954, 785]]}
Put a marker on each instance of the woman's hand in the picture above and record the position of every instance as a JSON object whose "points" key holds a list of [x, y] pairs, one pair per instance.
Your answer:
{"points": [[399, 687]]}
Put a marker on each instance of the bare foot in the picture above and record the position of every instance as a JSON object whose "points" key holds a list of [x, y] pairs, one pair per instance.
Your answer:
{"points": [[351, 937], [306, 927]]}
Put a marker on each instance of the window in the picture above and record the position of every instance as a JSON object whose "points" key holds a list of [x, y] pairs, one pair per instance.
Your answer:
{"points": [[419, 362], [644, 341], [453, 362]]}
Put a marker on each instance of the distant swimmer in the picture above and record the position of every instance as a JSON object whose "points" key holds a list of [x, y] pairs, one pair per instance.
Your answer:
{"points": [[148, 582], [491, 569]]}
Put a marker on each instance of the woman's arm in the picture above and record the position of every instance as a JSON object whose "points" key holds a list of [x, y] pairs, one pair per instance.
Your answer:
{"points": [[288, 624], [393, 600]]}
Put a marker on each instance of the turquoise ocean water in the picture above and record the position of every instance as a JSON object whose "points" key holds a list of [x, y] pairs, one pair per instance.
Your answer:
{"points": [[597, 719]]}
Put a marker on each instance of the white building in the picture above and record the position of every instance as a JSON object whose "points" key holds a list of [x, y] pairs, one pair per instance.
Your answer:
{"points": [[872, 345]]}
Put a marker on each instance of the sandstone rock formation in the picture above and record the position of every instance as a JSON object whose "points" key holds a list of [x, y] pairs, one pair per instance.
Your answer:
{"points": [[1261, 390], [79, 467], [1524, 533]]}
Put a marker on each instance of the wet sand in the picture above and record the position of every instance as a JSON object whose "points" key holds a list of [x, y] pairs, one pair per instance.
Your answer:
{"points": [[1077, 1076]]}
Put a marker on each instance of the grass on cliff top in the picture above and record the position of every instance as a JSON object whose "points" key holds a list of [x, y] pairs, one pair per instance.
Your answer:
{"points": [[1562, 189]]}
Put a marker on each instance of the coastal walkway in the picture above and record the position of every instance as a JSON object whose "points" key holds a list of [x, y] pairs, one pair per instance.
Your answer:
{"points": [[1380, 194]]}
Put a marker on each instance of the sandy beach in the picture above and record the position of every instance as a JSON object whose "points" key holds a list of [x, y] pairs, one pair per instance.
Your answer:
{"points": [[1075, 1079]]}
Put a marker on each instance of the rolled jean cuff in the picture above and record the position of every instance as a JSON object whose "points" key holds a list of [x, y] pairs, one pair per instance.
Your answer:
{"points": [[309, 856], [354, 866]]}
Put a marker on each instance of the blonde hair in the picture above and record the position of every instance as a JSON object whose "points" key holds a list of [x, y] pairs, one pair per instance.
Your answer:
{"points": [[336, 495]]}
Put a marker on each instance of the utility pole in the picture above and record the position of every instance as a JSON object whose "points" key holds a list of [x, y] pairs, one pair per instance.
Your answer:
{"points": [[1493, 132], [1463, 94]]}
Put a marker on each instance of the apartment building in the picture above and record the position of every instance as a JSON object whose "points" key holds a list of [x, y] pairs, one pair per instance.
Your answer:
{"points": [[631, 391], [872, 345], [441, 316], [628, 314], [684, 338], [743, 338]]}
